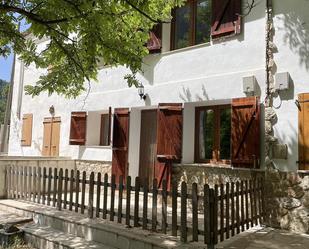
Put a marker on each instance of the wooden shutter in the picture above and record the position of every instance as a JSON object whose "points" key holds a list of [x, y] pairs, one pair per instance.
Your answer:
{"points": [[26, 136], [303, 135], [47, 136], [154, 43], [120, 142], [78, 128], [55, 139], [245, 132], [225, 17], [169, 139]]}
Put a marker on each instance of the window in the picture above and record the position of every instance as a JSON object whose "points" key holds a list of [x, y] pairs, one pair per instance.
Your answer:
{"points": [[191, 24], [199, 20], [105, 130], [26, 135], [213, 134], [78, 128]]}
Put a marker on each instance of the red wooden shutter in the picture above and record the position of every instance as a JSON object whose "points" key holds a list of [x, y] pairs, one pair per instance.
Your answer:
{"points": [[120, 142], [245, 132], [78, 128], [169, 140], [225, 17], [303, 135], [154, 43]]}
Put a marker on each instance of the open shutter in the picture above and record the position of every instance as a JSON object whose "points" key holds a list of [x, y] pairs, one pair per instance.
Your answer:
{"points": [[26, 136], [154, 43], [303, 135], [169, 140], [120, 142], [78, 128], [226, 17], [245, 132]]}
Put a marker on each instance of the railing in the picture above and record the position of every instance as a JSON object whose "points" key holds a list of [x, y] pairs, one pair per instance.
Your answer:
{"points": [[213, 215]]}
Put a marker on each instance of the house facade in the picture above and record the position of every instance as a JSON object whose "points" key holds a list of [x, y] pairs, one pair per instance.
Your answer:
{"points": [[205, 86]]}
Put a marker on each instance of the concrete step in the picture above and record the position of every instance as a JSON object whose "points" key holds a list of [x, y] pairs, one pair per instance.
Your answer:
{"points": [[48, 238], [96, 230]]}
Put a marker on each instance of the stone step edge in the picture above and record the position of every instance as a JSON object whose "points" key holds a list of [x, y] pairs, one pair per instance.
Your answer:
{"points": [[40, 233], [155, 239]]}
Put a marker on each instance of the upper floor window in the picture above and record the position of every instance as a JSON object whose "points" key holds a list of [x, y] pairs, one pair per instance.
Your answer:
{"points": [[199, 20]]}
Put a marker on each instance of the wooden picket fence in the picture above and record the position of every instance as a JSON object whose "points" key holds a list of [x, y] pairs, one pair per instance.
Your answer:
{"points": [[210, 214]]}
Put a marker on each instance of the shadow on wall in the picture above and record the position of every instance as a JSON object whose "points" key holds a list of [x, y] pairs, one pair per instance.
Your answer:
{"points": [[296, 36], [186, 95]]}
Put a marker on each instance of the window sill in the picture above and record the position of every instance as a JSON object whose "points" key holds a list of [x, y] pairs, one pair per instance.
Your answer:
{"points": [[97, 146], [202, 45]]}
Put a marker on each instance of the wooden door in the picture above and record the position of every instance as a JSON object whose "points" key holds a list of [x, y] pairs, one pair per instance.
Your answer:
{"points": [[303, 135], [148, 143], [120, 142], [169, 140], [51, 137]]}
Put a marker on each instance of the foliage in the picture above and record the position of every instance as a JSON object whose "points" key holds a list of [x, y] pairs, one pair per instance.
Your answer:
{"points": [[79, 32], [4, 88]]}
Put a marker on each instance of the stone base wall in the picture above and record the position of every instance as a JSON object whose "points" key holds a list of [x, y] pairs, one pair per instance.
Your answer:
{"points": [[287, 200], [212, 175], [94, 166]]}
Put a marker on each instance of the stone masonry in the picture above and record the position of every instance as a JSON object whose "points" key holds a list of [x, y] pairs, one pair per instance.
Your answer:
{"points": [[94, 166]]}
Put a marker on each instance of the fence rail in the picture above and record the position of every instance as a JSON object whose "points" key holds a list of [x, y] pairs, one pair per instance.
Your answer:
{"points": [[210, 214]]}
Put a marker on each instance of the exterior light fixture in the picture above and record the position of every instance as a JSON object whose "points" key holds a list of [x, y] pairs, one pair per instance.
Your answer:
{"points": [[141, 91], [52, 110]]}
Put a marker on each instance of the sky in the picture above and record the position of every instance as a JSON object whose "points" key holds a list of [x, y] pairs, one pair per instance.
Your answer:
{"points": [[6, 68]]}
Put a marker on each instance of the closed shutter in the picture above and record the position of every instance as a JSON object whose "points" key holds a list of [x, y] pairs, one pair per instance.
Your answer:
{"points": [[26, 136], [303, 135], [47, 136], [245, 138], [169, 140], [120, 142], [154, 43], [55, 139], [78, 128], [225, 17]]}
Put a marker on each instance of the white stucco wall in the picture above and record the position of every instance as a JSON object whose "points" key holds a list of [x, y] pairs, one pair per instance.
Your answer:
{"points": [[211, 71]]}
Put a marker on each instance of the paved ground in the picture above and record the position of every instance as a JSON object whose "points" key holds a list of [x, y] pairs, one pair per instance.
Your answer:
{"points": [[266, 238]]}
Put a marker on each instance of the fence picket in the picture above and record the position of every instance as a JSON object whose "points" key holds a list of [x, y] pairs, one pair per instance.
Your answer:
{"points": [[255, 201], [77, 181], [242, 206], [112, 207], [221, 212], [120, 197], [164, 206], [91, 190], [232, 209], [251, 203], [55, 186], [145, 203], [183, 216], [128, 200], [59, 190], [65, 189], [82, 208], [207, 214], [154, 204], [237, 209], [174, 208], [105, 196], [259, 200], [25, 183], [136, 201], [97, 211], [227, 210], [44, 186], [49, 182], [39, 184], [194, 212], [247, 204], [71, 190], [216, 214]]}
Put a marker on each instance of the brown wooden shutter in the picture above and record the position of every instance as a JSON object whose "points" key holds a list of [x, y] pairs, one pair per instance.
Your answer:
{"points": [[303, 135], [55, 139], [120, 142], [26, 136], [169, 139], [154, 43], [225, 17], [78, 128], [245, 132]]}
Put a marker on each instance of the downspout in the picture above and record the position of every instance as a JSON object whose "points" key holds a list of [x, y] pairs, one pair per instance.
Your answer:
{"points": [[8, 108]]}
